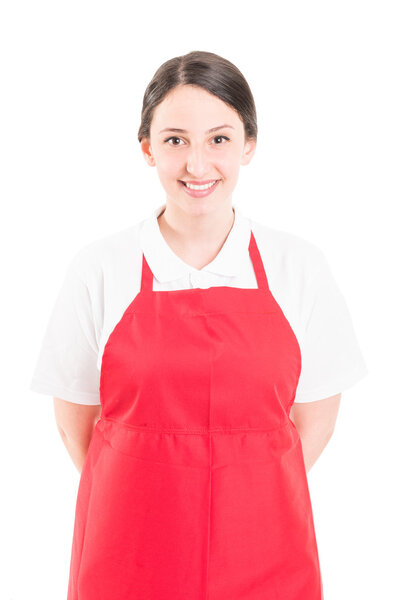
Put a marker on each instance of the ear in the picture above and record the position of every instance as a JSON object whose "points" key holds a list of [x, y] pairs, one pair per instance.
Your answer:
{"points": [[248, 151], [147, 152]]}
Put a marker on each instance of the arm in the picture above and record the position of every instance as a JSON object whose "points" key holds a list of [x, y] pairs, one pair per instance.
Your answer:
{"points": [[76, 422], [315, 422]]}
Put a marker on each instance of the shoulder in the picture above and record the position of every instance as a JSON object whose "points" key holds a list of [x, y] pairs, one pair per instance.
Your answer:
{"points": [[288, 253], [91, 261]]}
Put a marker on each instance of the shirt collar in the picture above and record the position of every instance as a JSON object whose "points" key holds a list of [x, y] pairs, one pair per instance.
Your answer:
{"points": [[167, 266]]}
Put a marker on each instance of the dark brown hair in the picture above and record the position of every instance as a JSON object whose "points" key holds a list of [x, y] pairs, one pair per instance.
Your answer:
{"points": [[206, 70]]}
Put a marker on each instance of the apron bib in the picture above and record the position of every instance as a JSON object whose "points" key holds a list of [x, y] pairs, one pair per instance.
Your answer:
{"points": [[194, 485]]}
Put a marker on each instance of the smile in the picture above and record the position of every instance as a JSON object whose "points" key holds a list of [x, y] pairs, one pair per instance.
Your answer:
{"points": [[200, 187], [199, 191]]}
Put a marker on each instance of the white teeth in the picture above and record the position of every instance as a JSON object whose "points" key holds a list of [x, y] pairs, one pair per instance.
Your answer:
{"points": [[200, 187]]}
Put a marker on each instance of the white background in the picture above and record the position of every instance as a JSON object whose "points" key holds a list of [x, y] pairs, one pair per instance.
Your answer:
{"points": [[325, 77]]}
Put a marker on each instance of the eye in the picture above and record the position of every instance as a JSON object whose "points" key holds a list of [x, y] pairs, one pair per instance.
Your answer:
{"points": [[220, 137], [172, 138]]}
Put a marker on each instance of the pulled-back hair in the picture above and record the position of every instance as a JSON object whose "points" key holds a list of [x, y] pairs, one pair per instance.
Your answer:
{"points": [[209, 71]]}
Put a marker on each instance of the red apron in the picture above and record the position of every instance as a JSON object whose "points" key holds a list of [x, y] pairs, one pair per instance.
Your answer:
{"points": [[194, 485]]}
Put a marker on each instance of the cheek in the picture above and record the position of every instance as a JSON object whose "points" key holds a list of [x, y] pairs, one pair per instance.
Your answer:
{"points": [[227, 164], [171, 163], [168, 166]]}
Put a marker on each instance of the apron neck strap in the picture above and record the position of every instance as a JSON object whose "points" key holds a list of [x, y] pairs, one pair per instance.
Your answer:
{"points": [[147, 277], [258, 265]]}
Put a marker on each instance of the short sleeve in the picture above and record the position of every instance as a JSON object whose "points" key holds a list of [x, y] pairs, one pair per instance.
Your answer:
{"points": [[67, 363], [332, 360]]}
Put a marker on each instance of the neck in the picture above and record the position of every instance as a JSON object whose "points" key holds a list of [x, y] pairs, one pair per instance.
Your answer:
{"points": [[196, 238]]}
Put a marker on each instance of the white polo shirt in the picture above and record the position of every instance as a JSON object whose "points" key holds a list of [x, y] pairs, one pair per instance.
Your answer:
{"points": [[104, 276]]}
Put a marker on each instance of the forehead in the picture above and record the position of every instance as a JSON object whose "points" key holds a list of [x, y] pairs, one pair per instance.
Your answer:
{"points": [[193, 108]]}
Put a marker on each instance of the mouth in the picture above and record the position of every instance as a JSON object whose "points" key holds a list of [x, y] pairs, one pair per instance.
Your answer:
{"points": [[199, 191], [201, 185]]}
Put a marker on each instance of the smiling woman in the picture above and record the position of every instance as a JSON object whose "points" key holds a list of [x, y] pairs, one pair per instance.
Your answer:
{"points": [[205, 101], [193, 334]]}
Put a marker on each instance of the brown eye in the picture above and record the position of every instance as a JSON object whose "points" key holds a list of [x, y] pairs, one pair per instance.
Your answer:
{"points": [[220, 137], [172, 138]]}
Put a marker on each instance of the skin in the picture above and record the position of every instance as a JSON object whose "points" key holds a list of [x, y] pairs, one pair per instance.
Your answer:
{"points": [[315, 422], [75, 423], [196, 229]]}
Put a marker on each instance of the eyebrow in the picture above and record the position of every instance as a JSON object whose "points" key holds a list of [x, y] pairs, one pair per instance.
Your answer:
{"points": [[184, 130]]}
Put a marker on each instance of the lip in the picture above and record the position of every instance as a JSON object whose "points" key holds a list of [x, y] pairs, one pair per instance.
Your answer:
{"points": [[199, 182], [200, 193]]}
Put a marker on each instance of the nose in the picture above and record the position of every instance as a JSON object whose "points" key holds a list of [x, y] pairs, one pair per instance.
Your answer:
{"points": [[197, 162]]}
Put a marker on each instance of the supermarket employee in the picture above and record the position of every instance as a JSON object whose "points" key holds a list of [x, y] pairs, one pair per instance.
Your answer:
{"points": [[203, 342]]}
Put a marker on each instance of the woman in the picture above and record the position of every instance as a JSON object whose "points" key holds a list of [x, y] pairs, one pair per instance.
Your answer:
{"points": [[214, 349]]}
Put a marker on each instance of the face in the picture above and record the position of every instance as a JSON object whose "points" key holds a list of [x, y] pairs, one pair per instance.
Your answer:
{"points": [[195, 154]]}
